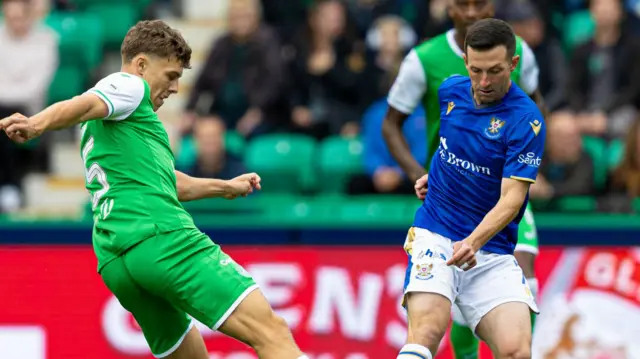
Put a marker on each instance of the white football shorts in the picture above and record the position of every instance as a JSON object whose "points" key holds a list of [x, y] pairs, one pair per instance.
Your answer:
{"points": [[495, 280]]}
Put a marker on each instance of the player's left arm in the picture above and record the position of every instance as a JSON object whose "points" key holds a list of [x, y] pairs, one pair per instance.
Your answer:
{"points": [[525, 145], [192, 188], [529, 78]]}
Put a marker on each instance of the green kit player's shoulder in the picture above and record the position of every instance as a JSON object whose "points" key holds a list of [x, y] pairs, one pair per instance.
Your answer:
{"points": [[434, 44], [122, 93]]}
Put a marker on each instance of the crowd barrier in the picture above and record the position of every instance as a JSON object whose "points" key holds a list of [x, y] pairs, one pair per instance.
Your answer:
{"points": [[342, 302]]}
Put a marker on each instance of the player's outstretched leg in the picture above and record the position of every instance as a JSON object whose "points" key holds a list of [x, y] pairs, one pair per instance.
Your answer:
{"points": [[428, 317], [254, 323], [464, 344], [507, 331]]}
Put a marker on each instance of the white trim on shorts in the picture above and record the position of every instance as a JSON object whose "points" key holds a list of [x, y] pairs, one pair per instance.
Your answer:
{"points": [[527, 248], [234, 306], [177, 345]]}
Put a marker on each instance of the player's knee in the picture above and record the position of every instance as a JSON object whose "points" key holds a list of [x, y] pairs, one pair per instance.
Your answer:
{"points": [[514, 350]]}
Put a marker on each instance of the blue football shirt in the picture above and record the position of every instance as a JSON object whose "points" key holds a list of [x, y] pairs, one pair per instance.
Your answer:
{"points": [[479, 146]]}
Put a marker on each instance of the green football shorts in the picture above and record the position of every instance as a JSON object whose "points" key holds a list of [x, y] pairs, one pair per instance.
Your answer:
{"points": [[527, 233], [167, 278]]}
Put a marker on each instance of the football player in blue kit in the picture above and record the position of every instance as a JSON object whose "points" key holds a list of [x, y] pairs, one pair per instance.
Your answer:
{"points": [[461, 244]]}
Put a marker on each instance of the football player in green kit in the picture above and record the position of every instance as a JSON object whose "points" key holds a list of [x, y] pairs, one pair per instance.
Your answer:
{"points": [[150, 254], [421, 74]]}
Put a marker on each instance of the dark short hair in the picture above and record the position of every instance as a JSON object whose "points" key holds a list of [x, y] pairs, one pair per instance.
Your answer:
{"points": [[155, 37], [487, 34]]}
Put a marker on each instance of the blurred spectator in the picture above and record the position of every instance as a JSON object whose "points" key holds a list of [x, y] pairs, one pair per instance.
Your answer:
{"points": [[326, 70], [382, 172], [626, 177], [286, 16], [567, 169], [604, 83], [528, 24], [388, 41], [366, 12], [27, 65], [213, 161], [245, 74]]}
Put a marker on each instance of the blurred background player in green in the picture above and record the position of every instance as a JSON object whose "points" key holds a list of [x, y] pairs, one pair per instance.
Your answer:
{"points": [[421, 74]]}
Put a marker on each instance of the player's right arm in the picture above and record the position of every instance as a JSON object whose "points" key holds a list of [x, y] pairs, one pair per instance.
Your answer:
{"points": [[405, 95], [113, 98]]}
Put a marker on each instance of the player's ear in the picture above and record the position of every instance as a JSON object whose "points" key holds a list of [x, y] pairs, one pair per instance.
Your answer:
{"points": [[514, 62], [140, 63]]}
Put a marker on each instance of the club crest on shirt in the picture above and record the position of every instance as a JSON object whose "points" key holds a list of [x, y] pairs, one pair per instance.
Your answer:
{"points": [[494, 130]]}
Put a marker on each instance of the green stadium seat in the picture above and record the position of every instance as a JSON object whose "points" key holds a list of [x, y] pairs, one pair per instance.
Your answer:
{"points": [[636, 205], [340, 158], [81, 38], [116, 19], [597, 149], [576, 204], [284, 161], [68, 82], [234, 143], [615, 153], [578, 28], [375, 210]]}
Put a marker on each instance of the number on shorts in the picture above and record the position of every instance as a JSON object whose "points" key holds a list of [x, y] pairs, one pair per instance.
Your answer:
{"points": [[96, 173]]}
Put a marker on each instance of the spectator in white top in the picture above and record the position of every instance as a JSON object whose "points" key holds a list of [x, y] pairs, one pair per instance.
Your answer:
{"points": [[27, 65]]}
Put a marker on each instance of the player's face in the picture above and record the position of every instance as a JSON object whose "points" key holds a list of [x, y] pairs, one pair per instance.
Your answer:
{"points": [[163, 76], [490, 72], [465, 13]]}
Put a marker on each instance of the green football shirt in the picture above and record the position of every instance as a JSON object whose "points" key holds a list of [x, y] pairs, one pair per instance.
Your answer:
{"points": [[429, 64], [129, 169]]}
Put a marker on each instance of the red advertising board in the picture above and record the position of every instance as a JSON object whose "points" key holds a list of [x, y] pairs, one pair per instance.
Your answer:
{"points": [[341, 302]]}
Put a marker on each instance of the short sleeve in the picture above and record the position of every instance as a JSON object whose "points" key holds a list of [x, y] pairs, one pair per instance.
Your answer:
{"points": [[122, 93], [410, 85], [529, 71], [525, 146]]}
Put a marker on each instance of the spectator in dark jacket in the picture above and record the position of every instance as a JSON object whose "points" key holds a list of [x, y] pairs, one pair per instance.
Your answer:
{"points": [[604, 82], [244, 73], [382, 172]]}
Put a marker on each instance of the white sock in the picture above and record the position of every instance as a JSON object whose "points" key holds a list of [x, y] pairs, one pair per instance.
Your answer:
{"points": [[414, 351], [533, 286], [303, 357]]}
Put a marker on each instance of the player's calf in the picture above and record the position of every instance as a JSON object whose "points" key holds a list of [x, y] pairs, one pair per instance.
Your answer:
{"points": [[428, 320], [254, 323]]}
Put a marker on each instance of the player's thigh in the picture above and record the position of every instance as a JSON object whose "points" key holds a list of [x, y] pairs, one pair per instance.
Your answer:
{"points": [[192, 347], [164, 326], [507, 330], [497, 280], [193, 274], [429, 286]]}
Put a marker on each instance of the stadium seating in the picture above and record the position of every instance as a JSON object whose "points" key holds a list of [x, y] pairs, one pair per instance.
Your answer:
{"points": [[339, 159], [81, 39], [68, 81], [285, 161], [117, 19]]}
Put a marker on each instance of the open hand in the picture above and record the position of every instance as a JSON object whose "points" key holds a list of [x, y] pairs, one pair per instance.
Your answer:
{"points": [[19, 128], [243, 185], [464, 256], [421, 187]]}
